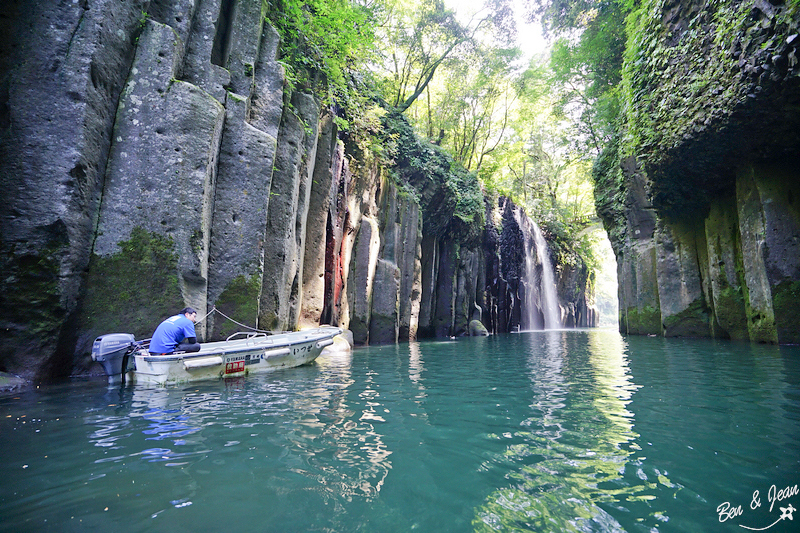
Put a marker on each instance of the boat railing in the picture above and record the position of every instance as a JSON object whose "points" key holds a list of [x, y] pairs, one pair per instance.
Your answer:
{"points": [[248, 335]]}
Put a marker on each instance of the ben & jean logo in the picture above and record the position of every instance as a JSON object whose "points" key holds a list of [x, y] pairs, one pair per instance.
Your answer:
{"points": [[727, 511]]}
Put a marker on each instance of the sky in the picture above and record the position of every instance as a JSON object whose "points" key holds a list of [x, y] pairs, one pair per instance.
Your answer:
{"points": [[529, 35]]}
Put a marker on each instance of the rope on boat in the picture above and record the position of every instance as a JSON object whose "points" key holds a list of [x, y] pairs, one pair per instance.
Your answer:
{"points": [[206, 315], [214, 309]]}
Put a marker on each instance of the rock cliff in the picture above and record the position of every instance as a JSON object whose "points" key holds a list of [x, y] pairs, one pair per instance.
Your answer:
{"points": [[151, 157], [699, 192]]}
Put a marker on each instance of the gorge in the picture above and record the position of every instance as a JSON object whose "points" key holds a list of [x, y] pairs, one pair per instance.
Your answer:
{"points": [[154, 156], [699, 190]]}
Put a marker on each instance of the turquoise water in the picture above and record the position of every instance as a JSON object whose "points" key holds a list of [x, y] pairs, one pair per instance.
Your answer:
{"points": [[540, 431]]}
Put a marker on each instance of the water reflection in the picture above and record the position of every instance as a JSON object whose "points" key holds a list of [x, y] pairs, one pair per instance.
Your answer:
{"points": [[415, 364], [573, 442], [541, 431], [309, 433]]}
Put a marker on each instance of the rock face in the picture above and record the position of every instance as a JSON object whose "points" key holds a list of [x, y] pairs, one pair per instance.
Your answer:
{"points": [[151, 158], [63, 68], [700, 196]]}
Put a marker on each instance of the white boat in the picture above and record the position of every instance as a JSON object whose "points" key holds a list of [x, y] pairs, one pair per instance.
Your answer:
{"points": [[123, 358]]}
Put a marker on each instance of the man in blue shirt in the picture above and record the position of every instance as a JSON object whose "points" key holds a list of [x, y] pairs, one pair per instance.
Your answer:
{"points": [[176, 334]]}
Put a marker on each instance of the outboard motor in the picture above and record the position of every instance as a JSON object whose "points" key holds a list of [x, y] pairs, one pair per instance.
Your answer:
{"points": [[111, 351]]}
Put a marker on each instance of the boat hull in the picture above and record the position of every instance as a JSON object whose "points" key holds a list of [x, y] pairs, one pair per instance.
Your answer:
{"points": [[233, 358]]}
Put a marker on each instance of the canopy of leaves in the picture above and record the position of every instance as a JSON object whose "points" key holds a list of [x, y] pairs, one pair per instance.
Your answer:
{"points": [[450, 196], [461, 113], [324, 43], [587, 70]]}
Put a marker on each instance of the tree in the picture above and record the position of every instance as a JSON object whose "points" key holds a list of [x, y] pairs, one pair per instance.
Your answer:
{"points": [[473, 105], [586, 62], [328, 37], [419, 40]]}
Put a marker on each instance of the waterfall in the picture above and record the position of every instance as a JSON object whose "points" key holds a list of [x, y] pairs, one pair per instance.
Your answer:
{"points": [[539, 289], [552, 319]]}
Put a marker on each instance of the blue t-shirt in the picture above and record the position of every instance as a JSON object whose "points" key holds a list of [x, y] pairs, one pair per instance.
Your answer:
{"points": [[170, 333]]}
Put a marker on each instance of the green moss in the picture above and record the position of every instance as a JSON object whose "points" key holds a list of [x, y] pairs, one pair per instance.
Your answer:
{"points": [[694, 321], [196, 242], [683, 83], [673, 74], [133, 290], [449, 195], [31, 294], [730, 312], [609, 193], [785, 299], [239, 301], [762, 328], [645, 321]]}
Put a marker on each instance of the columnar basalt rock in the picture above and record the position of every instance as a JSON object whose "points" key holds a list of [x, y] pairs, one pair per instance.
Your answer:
{"points": [[683, 309], [401, 235], [313, 288], [241, 201], [384, 317], [409, 257], [149, 161], [769, 224], [468, 290], [707, 169], [578, 306], [161, 173], [335, 261], [361, 280], [62, 67], [726, 286], [284, 239], [203, 66], [444, 306]]}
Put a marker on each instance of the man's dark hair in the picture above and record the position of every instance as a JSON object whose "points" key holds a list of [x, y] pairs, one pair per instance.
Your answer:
{"points": [[187, 311]]}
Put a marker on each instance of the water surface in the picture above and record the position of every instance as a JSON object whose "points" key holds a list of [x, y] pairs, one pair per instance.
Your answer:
{"points": [[538, 431]]}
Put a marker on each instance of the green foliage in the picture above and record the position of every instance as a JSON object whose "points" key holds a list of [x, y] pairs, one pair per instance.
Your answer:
{"points": [[677, 79], [560, 16], [587, 72], [449, 195], [609, 190], [471, 112], [324, 44], [321, 36], [423, 37], [458, 84], [418, 40]]}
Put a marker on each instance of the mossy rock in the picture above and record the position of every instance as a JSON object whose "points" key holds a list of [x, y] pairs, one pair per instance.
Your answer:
{"points": [[477, 329], [133, 290], [694, 321], [785, 300], [32, 294], [646, 321], [450, 196], [730, 312], [762, 329], [239, 301]]}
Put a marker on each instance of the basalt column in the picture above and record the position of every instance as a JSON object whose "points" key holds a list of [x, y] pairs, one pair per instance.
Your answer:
{"points": [[155, 218], [284, 239], [62, 68]]}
